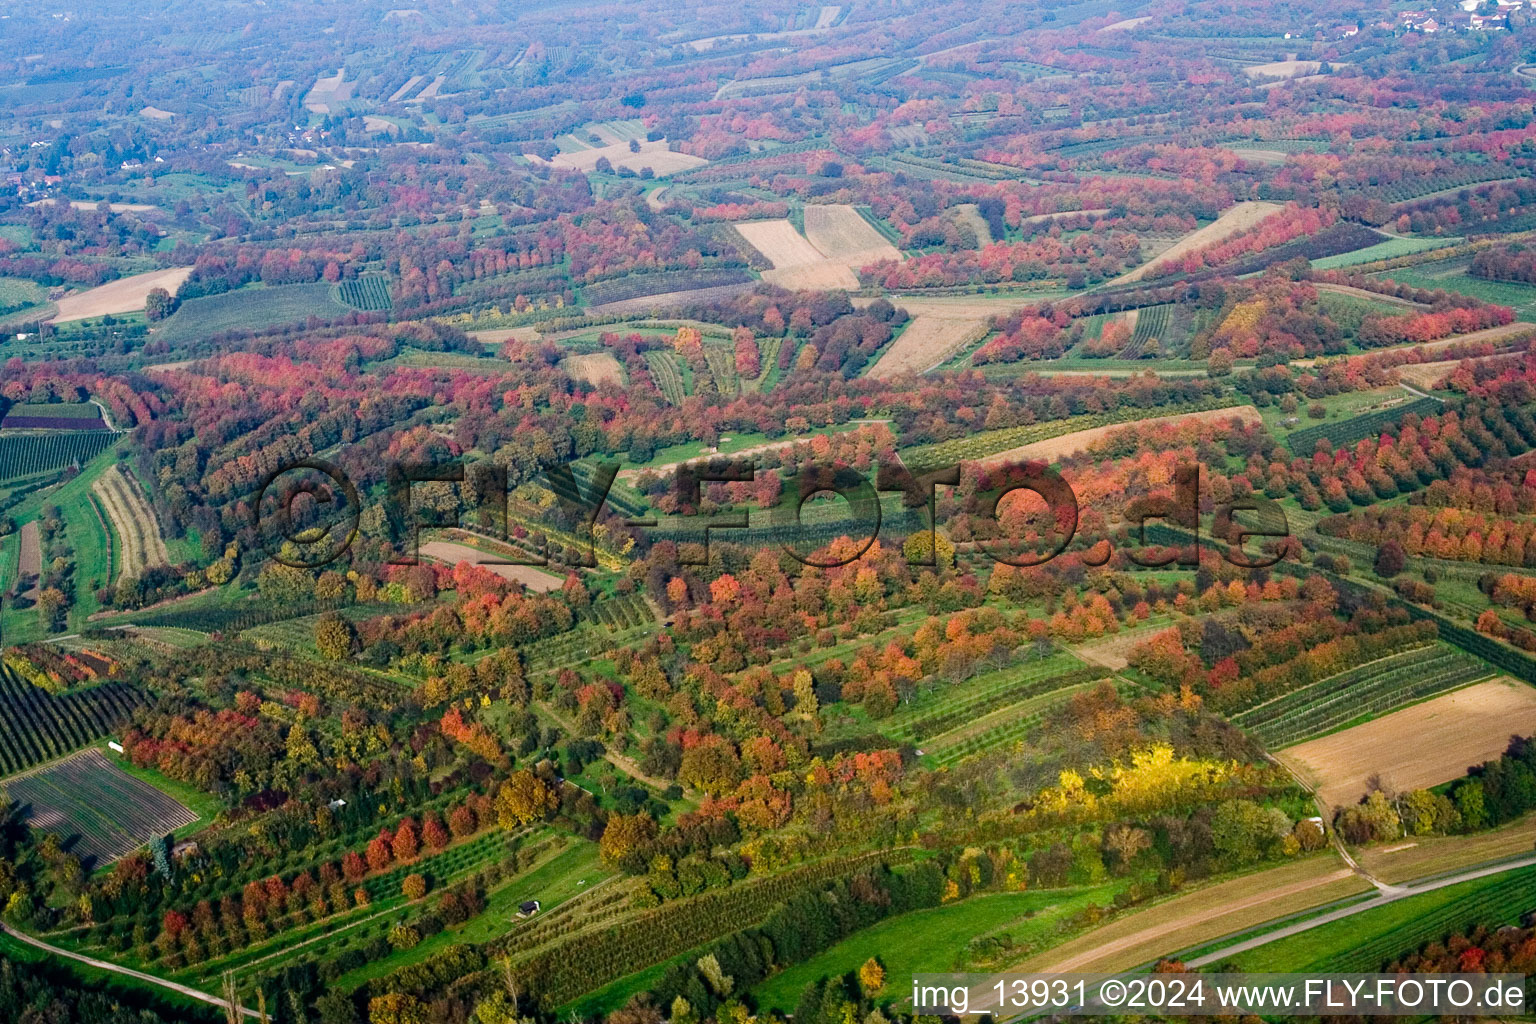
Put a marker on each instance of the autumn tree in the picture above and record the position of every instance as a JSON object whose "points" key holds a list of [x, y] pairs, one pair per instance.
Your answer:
{"points": [[523, 798], [624, 834]]}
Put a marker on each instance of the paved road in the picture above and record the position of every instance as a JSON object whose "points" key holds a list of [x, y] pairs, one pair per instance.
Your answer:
{"points": [[191, 993], [1397, 893]]}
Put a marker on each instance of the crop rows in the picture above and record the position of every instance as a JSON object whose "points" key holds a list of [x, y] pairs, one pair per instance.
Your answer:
{"points": [[1414, 188], [1357, 428], [1151, 324], [1030, 715], [26, 454], [37, 726], [621, 613], [666, 373], [592, 958], [935, 719], [110, 811], [1367, 689], [369, 292], [722, 365], [1500, 902]]}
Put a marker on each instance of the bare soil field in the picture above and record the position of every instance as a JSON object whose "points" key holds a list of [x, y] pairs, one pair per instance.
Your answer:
{"points": [[125, 295], [594, 369], [1423, 745], [133, 521], [1283, 69], [1128, 23], [654, 155], [156, 114], [928, 341], [29, 565], [530, 576], [1068, 444], [1238, 217], [841, 234], [1202, 915]]}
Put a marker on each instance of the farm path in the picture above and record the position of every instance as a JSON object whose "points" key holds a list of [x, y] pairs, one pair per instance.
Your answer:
{"points": [[103, 965], [1399, 892], [624, 764]]}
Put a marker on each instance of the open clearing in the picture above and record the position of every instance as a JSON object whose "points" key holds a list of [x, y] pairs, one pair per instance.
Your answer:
{"points": [[970, 216], [133, 523], [29, 566], [530, 576], [1419, 746], [1201, 916], [928, 341], [1111, 651], [654, 155], [1069, 444], [125, 295], [83, 204], [1235, 218], [86, 796], [594, 369], [1284, 69], [1120, 26], [842, 235]]}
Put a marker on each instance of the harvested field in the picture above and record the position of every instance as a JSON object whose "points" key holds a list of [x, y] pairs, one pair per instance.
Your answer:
{"points": [[1128, 23], [1283, 69], [1262, 156], [780, 243], [594, 369], [83, 204], [410, 83], [1238, 217], [133, 523], [29, 567], [666, 300], [823, 276], [1419, 746], [956, 307], [325, 91], [107, 812], [654, 155], [842, 235], [1426, 375], [530, 576], [928, 341], [496, 337], [125, 295], [1068, 444]]}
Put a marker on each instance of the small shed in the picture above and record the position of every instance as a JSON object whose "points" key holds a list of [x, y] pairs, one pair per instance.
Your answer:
{"points": [[527, 908]]}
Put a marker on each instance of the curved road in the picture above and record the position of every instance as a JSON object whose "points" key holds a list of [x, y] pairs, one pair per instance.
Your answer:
{"points": [[191, 993]]}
